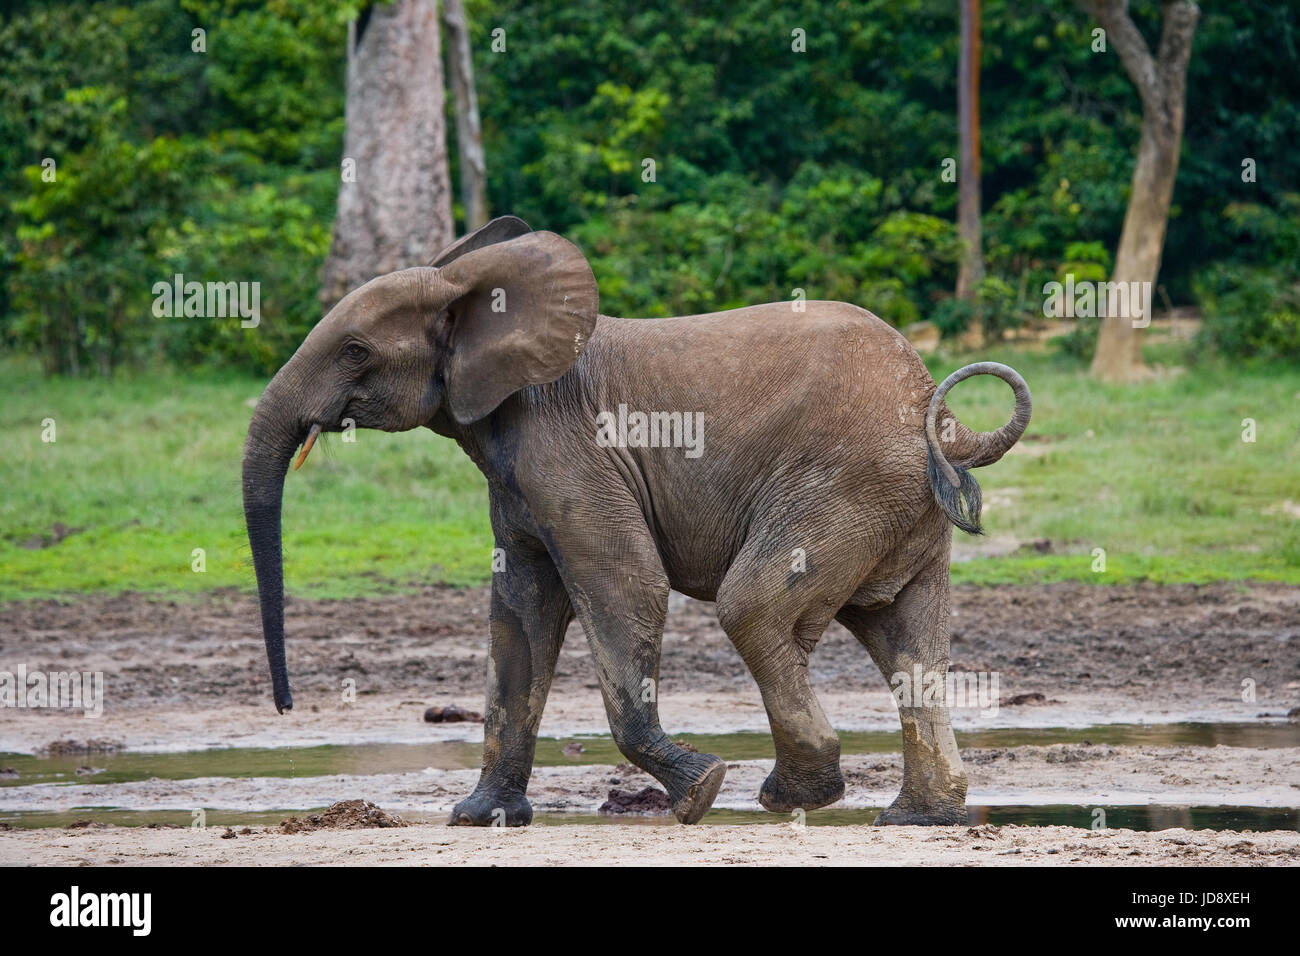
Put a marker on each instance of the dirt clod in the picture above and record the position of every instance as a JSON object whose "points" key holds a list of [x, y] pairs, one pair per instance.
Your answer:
{"points": [[58, 531], [63, 748], [1021, 699], [1068, 753], [452, 714], [345, 815], [650, 801]]}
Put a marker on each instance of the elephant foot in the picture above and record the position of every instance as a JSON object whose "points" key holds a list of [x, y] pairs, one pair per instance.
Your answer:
{"points": [[492, 809], [700, 781], [784, 790], [938, 815]]}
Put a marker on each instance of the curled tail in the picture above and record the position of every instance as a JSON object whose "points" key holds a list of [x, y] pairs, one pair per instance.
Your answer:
{"points": [[955, 488]]}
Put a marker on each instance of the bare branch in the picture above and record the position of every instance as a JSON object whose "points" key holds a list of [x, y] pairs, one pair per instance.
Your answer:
{"points": [[1133, 53]]}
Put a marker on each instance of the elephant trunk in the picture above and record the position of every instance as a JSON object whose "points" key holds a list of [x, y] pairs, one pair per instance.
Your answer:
{"points": [[273, 435]]}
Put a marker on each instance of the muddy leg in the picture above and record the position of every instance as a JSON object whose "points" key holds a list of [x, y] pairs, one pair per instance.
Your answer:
{"points": [[530, 612], [910, 632], [775, 648], [620, 592]]}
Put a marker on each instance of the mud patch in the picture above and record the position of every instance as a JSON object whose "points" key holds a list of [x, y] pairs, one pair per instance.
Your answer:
{"points": [[345, 815], [58, 531], [1073, 753], [649, 801], [1160, 644], [452, 715], [1020, 700], [65, 748]]}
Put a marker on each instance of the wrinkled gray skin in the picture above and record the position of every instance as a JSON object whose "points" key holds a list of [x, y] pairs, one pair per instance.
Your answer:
{"points": [[815, 444]]}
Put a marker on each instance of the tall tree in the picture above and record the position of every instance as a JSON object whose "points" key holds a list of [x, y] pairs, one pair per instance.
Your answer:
{"points": [[971, 271], [394, 206], [469, 135], [1161, 83]]}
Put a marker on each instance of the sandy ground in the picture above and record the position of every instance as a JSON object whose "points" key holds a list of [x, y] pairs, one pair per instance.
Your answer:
{"points": [[653, 846], [186, 675]]}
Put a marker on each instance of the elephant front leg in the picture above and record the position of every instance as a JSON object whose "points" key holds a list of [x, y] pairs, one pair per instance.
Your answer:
{"points": [[617, 584], [530, 612]]}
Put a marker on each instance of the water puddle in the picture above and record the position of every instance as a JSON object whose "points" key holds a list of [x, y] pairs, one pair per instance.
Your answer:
{"points": [[1143, 818], [463, 755]]}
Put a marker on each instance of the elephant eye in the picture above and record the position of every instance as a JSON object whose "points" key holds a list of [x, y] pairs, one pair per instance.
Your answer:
{"points": [[355, 353]]}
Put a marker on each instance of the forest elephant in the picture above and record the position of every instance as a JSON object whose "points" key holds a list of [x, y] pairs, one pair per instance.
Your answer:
{"points": [[793, 465]]}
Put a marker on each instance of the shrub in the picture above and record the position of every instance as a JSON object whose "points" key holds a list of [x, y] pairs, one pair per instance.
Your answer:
{"points": [[1254, 310]]}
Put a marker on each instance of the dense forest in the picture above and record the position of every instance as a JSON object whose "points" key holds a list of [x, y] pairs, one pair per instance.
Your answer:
{"points": [[128, 156]]}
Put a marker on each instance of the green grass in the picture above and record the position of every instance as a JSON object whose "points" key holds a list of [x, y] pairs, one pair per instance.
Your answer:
{"points": [[147, 468], [1157, 474]]}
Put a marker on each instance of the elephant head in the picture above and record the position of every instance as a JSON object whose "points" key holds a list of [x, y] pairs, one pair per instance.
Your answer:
{"points": [[501, 309]]}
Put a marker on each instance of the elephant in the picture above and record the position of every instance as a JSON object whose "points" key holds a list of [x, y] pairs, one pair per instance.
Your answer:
{"points": [[794, 463]]}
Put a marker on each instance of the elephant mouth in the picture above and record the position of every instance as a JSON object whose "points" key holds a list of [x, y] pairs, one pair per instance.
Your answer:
{"points": [[307, 444]]}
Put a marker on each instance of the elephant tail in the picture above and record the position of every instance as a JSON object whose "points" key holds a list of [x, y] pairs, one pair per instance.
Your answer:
{"points": [[955, 488]]}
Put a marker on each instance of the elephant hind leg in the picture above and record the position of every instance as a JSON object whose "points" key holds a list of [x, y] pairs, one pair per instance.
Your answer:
{"points": [[774, 631], [912, 632]]}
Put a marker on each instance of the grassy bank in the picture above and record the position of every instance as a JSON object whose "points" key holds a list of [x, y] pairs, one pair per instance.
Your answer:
{"points": [[145, 470]]}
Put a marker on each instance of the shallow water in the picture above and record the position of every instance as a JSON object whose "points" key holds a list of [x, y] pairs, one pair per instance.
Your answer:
{"points": [[1146, 818], [463, 755]]}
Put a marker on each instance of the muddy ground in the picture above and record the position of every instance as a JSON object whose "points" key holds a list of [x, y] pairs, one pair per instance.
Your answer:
{"points": [[180, 672], [191, 674]]}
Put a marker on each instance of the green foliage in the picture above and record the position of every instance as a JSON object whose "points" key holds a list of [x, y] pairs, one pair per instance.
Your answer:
{"points": [[1254, 310], [87, 244], [773, 170], [996, 307], [218, 165], [267, 234], [1086, 261], [732, 118], [1080, 342]]}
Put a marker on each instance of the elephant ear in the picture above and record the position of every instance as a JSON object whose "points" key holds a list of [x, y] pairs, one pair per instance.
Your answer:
{"points": [[501, 229], [522, 313]]}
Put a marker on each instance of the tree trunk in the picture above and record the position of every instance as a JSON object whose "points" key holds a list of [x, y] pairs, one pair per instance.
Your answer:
{"points": [[968, 120], [395, 212], [1119, 343], [469, 136], [1161, 82]]}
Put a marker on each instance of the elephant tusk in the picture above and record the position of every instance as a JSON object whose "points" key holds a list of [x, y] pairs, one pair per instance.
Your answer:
{"points": [[306, 446]]}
